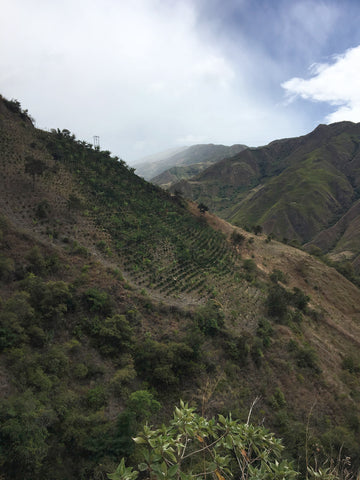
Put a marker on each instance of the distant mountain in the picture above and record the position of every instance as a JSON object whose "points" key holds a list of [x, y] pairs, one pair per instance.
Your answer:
{"points": [[305, 189], [157, 157], [186, 162]]}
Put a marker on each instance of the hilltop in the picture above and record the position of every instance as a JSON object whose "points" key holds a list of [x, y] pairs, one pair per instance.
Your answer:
{"points": [[118, 298]]}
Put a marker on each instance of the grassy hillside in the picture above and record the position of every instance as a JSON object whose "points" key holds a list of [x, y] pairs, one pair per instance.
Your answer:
{"points": [[294, 188], [117, 299]]}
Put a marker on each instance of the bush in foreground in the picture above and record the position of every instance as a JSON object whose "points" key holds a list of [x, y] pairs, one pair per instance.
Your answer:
{"points": [[193, 447]]}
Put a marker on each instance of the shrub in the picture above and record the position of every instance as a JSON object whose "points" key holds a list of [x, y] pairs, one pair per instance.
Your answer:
{"points": [[122, 377], [96, 397], [278, 276], [306, 357], [250, 269], [80, 370], [237, 238], [115, 335], [210, 318], [43, 210], [55, 299], [239, 349], [6, 267], [37, 264], [299, 299], [143, 404], [192, 446], [265, 331], [37, 336], [98, 301], [203, 208], [277, 400], [277, 303], [11, 332], [24, 423], [351, 364], [55, 361], [164, 363], [19, 305], [257, 229], [34, 167]]}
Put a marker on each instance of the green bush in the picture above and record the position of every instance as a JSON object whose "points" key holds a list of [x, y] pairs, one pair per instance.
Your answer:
{"points": [[55, 361], [192, 446], [7, 267], [250, 268], [278, 276], [51, 300], [24, 424], [239, 348], [237, 238], [277, 400], [265, 331], [164, 363], [210, 318], [11, 332], [37, 264], [306, 357], [98, 301], [351, 364], [299, 299], [277, 303], [96, 397], [115, 335]]}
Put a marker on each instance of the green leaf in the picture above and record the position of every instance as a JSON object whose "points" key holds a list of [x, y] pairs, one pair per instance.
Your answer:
{"points": [[222, 419], [139, 440], [163, 468], [142, 467], [173, 470], [171, 456]]}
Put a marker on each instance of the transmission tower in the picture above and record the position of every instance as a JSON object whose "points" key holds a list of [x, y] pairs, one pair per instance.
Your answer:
{"points": [[96, 142]]}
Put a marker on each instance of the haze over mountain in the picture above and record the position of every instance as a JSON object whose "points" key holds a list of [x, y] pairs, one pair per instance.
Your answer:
{"points": [[187, 162], [305, 189]]}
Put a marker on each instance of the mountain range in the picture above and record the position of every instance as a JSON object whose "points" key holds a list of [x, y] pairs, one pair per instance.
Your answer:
{"points": [[304, 189], [119, 298], [168, 167]]}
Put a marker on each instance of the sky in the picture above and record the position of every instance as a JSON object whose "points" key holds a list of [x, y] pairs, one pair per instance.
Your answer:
{"points": [[149, 75]]}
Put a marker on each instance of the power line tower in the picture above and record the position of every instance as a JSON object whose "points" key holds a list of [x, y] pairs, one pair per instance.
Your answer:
{"points": [[96, 142]]}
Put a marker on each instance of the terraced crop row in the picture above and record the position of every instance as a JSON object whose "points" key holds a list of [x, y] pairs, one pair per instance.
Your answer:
{"points": [[204, 257]]}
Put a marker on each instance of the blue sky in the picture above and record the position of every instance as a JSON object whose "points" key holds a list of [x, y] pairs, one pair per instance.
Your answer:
{"points": [[148, 75]]}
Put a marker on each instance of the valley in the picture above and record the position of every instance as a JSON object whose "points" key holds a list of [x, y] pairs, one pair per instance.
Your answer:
{"points": [[119, 298]]}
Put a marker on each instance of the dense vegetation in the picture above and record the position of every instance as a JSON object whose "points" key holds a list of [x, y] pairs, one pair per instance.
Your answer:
{"points": [[116, 301]]}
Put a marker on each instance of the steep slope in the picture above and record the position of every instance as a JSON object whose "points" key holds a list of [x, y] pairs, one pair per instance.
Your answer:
{"points": [[118, 299], [294, 188], [196, 157], [343, 238]]}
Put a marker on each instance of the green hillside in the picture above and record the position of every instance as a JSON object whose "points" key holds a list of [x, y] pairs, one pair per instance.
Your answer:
{"points": [[118, 299], [294, 188]]}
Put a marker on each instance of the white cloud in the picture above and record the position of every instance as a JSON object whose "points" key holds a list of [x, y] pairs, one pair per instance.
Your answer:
{"points": [[336, 83], [312, 20], [142, 74]]}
